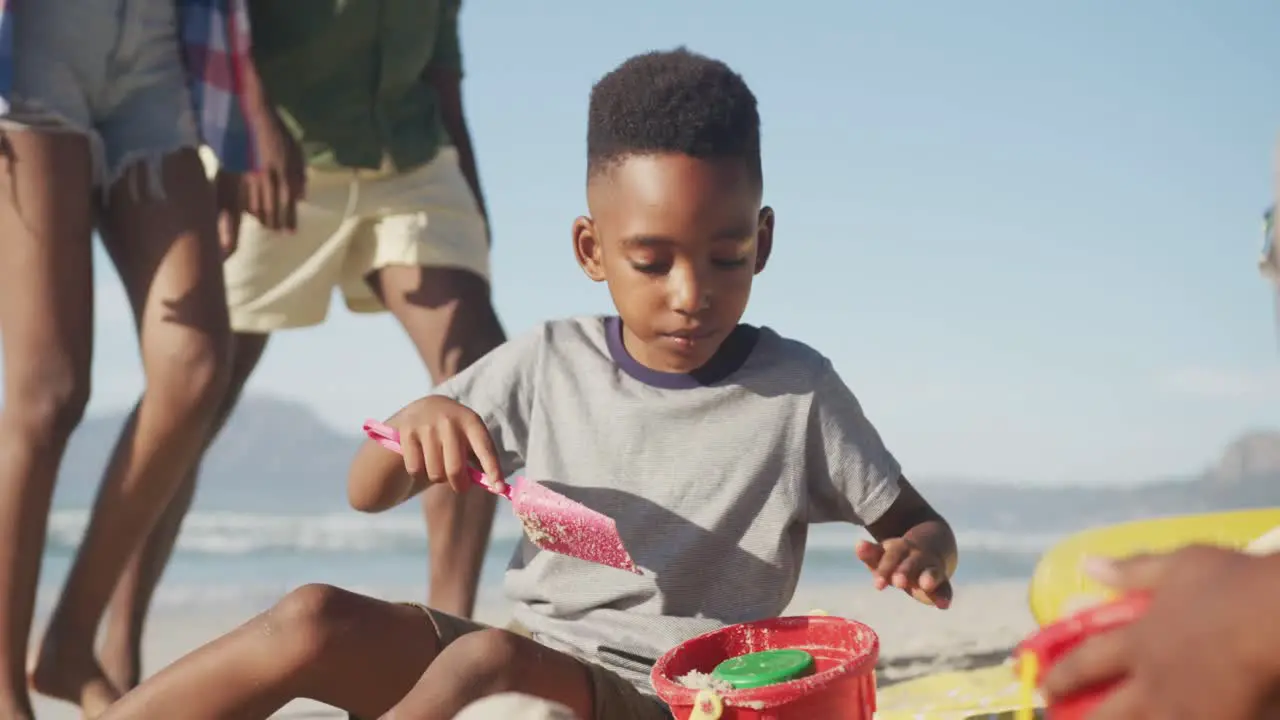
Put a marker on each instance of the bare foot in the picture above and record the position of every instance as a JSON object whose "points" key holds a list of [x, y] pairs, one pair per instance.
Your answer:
{"points": [[121, 664], [74, 676]]}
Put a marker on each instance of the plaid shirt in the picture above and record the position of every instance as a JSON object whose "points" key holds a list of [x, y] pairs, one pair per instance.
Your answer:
{"points": [[215, 48]]}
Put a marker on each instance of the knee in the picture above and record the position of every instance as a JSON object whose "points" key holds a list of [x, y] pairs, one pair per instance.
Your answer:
{"points": [[191, 378], [310, 619], [48, 404], [488, 660]]}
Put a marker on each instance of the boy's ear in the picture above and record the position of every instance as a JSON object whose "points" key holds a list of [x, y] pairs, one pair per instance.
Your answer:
{"points": [[587, 248], [764, 237]]}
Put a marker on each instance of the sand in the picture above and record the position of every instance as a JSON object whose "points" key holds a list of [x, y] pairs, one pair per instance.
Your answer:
{"points": [[984, 623]]}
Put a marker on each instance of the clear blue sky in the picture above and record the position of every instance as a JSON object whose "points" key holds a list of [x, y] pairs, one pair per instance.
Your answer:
{"points": [[1024, 232]]}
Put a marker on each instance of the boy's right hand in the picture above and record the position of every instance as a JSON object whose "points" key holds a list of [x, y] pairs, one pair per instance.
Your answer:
{"points": [[440, 438]]}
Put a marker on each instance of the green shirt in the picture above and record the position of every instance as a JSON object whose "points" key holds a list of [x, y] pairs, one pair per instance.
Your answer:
{"points": [[347, 75]]}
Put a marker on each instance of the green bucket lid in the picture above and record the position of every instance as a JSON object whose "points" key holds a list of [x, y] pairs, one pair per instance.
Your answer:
{"points": [[769, 667]]}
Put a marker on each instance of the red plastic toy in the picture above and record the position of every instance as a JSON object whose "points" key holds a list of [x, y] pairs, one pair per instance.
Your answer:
{"points": [[1054, 641], [843, 686]]}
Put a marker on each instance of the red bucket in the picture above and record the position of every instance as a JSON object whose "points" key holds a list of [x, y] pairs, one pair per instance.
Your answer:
{"points": [[1054, 641], [843, 686]]}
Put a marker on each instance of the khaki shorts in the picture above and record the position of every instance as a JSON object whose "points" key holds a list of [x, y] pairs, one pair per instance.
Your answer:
{"points": [[615, 698], [351, 224]]}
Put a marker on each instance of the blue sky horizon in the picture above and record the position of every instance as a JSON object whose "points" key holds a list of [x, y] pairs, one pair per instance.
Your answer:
{"points": [[1025, 236]]}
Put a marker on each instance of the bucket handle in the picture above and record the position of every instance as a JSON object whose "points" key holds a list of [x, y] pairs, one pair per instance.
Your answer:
{"points": [[707, 705], [1028, 670]]}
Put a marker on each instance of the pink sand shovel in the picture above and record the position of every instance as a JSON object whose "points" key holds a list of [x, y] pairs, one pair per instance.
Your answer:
{"points": [[551, 521]]}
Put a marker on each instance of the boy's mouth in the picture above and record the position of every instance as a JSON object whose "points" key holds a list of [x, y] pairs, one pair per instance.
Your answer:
{"points": [[688, 339]]}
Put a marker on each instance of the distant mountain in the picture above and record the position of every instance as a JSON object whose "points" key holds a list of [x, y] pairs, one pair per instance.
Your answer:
{"points": [[276, 456], [1250, 457], [1246, 476]]}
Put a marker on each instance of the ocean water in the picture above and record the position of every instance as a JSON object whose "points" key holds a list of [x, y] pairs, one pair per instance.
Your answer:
{"points": [[239, 558]]}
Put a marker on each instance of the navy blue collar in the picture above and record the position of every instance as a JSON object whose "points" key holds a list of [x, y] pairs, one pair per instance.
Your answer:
{"points": [[729, 357]]}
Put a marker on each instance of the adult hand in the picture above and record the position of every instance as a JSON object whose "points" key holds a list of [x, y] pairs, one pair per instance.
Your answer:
{"points": [[1208, 645], [271, 193], [226, 189]]}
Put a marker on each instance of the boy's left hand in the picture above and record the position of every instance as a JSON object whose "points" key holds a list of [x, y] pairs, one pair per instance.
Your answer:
{"points": [[908, 567]]}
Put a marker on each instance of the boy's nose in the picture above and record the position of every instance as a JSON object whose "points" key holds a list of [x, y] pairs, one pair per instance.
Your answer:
{"points": [[688, 293]]}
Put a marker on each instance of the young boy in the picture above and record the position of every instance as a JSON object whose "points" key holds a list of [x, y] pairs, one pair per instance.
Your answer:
{"points": [[712, 443]]}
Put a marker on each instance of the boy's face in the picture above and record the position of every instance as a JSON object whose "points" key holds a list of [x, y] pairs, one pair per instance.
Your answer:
{"points": [[678, 239]]}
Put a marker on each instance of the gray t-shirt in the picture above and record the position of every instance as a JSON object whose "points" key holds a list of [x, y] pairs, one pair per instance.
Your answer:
{"points": [[712, 477]]}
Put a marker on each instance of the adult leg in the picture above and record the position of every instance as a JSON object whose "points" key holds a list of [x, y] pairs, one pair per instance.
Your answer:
{"points": [[274, 282], [166, 250], [46, 321], [448, 315], [121, 652], [319, 642], [426, 259]]}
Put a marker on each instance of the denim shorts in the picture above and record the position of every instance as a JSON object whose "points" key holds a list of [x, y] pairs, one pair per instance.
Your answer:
{"points": [[109, 69]]}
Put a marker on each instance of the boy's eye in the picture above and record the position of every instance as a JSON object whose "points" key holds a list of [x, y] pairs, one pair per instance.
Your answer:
{"points": [[658, 267], [651, 268]]}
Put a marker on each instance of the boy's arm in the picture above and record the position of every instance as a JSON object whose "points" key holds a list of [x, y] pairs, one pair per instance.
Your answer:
{"points": [[377, 480], [854, 478], [913, 519], [499, 388]]}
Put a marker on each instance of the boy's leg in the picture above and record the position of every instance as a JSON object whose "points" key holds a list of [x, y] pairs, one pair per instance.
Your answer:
{"points": [[493, 662], [496, 661], [46, 320], [319, 642], [425, 257]]}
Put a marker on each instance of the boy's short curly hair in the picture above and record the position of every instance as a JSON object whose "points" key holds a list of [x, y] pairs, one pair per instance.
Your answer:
{"points": [[673, 101]]}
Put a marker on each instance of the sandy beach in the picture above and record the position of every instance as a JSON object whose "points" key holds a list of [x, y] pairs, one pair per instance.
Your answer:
{"points": [[980, 628]]}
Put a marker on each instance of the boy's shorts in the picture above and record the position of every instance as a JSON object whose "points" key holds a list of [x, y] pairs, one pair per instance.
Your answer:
{"points": [[111, 70], [351, 224], [615, 698]]}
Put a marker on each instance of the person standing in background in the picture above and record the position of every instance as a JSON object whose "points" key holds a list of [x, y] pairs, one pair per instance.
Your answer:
{"points": [[375, 194], [1200, 597], [103, 104]]}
